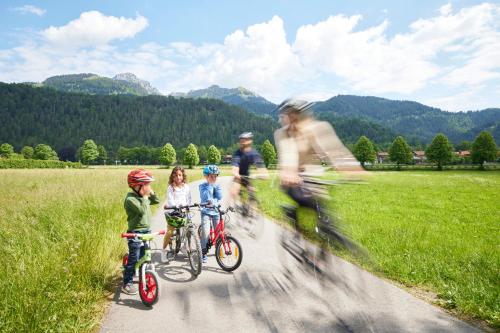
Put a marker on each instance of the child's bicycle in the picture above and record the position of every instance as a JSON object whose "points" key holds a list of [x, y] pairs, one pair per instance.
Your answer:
{"points": [[185, 235], [247, 206], [228, 252], [149, 286]]}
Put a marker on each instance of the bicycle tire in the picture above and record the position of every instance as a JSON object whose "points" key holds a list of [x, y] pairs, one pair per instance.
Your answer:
{"points": [[194, 253], [220, 253], [149, 296]]}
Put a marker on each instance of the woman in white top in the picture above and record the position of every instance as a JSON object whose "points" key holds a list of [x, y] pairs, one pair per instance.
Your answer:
{"points": [[178, 194]]}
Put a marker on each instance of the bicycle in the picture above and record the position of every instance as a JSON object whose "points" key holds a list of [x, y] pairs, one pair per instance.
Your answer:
{"points": [[227, 248], [149, 286], [296, 245], [185, 235], [248, 208]]}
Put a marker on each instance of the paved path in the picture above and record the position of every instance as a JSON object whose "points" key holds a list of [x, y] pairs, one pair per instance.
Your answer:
{"points": [[269, 292]]}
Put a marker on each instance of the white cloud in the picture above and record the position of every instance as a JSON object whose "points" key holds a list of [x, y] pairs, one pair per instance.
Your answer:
{"points": [[30, 9], [94, 29], [454, 51]]}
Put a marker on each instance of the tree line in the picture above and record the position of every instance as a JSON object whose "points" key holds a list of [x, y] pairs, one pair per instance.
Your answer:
{"points": [[91, 153], [439, 152]]}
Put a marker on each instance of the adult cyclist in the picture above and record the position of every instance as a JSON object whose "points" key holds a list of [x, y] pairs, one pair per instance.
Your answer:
{"points": [[241, 162], [304, 145]]}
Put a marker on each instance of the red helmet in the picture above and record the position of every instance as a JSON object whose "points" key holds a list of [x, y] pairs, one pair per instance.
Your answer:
{"points": [[139, 177]]}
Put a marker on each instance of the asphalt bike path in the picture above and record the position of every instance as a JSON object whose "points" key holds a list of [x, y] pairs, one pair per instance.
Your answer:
{"points": [[271, 292]]}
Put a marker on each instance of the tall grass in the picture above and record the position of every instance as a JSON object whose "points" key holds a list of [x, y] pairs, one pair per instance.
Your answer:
{"points": [[60, 245], [434, 230]]}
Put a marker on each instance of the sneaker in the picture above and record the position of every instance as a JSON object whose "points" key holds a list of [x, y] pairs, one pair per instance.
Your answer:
{"points": [[164, 256], [204, 259], [129, 289]]}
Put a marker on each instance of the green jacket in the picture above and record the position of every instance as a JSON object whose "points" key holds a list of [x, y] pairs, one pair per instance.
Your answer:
{"points": [[139, 211]]}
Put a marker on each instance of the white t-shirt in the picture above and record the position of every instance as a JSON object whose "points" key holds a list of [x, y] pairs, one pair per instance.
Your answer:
{"points": [[178, 196]]}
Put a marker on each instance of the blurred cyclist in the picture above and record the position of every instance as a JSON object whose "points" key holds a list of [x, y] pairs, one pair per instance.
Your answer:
{"points": [[304, 145], [242, 160]]}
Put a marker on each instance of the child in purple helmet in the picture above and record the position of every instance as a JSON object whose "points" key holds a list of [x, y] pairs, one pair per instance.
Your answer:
{"points": [[210, 193]]}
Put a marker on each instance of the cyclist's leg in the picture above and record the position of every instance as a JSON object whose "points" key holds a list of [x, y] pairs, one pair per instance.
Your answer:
{"points": [[235, 191], [134, 253], [303, 198], [205, 232], [168, 236]]}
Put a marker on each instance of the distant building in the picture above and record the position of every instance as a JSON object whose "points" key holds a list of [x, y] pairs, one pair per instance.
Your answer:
{"points": [[382, 157], [462, 153], [419, 156]]}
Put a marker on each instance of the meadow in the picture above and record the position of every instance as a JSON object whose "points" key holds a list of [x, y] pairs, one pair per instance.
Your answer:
{"points": [[436, 233], [60, 245]]}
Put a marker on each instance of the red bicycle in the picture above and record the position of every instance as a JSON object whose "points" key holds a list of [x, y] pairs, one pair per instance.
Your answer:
{"points": [[228, 252]]}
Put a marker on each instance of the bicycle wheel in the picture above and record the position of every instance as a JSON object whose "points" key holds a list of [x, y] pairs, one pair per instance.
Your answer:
{"points": [[149, 290], [194, 253], [231, 259]]}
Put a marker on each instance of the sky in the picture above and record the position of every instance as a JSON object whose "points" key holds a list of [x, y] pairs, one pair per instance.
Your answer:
{"points": [[440, 53]]}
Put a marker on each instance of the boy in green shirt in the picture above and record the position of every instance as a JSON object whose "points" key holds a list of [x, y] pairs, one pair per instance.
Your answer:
{"points": [[137, 205]]}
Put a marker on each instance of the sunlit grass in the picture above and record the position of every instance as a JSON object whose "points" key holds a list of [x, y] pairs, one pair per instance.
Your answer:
{"points": [[438, 231], [60, 245]]}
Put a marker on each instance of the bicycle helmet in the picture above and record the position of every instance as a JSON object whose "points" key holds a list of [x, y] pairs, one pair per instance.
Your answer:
{"points": [[297, 105], [175, 219], [211, 170], [246, 135], [139, 177]]}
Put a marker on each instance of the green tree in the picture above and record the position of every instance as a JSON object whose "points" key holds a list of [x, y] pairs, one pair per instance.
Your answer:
{"points": [[191, 157], [400, 152], [89, 151], [44, 152], [364, 150], [214, 155], [168, 155], [268, 153], [484, 149], [464, 145], [103, 154], [439, 151], [6, 150], [27, 152]]}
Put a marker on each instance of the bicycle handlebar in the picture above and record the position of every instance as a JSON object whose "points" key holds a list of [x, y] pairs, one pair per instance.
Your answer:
{"points": [[181, 207], [137, 235], [332, 182]]}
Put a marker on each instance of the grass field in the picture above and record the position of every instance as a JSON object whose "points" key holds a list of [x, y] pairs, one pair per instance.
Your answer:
{"points": [[60, 245], [438, 231]]}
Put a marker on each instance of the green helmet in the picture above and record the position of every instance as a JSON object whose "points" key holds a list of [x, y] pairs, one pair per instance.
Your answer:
{"points": [[176, 219]]}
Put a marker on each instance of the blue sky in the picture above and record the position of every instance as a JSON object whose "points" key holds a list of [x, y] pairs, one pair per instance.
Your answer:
{"points": [[444, 54]]}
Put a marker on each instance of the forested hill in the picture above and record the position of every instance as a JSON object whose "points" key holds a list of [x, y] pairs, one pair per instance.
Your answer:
{"points": [[121, 84], [242, 97], [38, 115], [417, 122]]}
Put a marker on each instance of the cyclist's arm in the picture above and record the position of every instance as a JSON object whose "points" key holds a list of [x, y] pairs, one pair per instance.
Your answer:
{"points": [[328, 146], [235, 162], [137, 205], [217, 195], [188, 196], [170, 197], [153, 199]]}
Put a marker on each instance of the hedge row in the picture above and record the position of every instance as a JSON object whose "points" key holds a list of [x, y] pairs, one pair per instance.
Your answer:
{"points": [[384, 166], [37, 164]]}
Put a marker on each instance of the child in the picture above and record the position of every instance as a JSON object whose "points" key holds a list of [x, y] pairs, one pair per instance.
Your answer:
{"points": [[137, 205], [210, 193], [178, 194]]}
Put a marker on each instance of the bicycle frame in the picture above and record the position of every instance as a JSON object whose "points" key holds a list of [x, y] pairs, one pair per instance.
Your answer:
{"points": [[219, 233], [146, 258]]}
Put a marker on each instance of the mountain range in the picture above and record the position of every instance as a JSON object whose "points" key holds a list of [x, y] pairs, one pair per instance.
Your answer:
{"points": [[352, 116]]}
